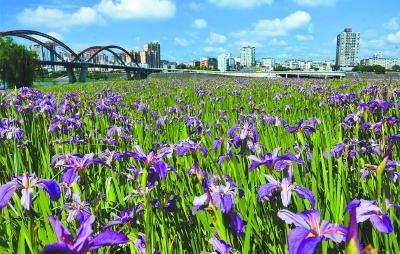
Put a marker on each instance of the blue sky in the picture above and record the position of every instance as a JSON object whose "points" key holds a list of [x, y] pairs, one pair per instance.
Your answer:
{"points": [[188, 30]]}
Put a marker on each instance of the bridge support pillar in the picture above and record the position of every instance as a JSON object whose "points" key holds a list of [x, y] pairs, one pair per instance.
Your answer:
{"points": [[83, 73], [286, 75], [128, 74], [137, 74], [71, 75]]}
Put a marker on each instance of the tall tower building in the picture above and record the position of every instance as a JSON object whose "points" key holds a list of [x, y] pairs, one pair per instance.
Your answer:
{"points": [[248, 56], [153, 54], [347, 49]]}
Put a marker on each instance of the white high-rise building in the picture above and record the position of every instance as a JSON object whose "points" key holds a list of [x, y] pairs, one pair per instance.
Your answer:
{"points": [[226, 62], [347, 49], [268, 63], [248, 56]]}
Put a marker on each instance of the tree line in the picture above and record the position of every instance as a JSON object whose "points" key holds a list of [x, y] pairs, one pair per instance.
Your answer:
{"points": [[18, 65]]}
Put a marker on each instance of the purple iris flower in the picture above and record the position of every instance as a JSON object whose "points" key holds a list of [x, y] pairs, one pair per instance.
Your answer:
{"points": [[247, 130], [125, 216], [286, 187], [190, 146], [25, 183], [308, 126], [310, 231], [237, 223], [10, 129], [274, 161], [369, 210], [390, 167], [221, 196], [217, 144], [77, 209], [220, 246], [85, 241], [152, 161], [140, 245], [72, 164]]}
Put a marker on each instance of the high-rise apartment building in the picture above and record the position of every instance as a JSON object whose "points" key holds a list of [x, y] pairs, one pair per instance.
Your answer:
{"points": [[248, 56], [226, 62], [152, 52], [347, 49]]}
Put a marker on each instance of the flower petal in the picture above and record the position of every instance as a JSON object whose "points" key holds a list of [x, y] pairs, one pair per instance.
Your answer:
{"points": [[63, 235], [220, 246], [69, 176], [27, 198], [227, 202], [266, 190], [161, 168], [84, 232], [309, 245], [286, 197], [383, 224], [6, 192], [57, 248], [51, 187], [108, 238], [292, 218], [237, 223], [305, 193], [295, 239]]}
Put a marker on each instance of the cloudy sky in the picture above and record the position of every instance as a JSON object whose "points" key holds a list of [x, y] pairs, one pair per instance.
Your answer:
{"points": [[188, 29]]}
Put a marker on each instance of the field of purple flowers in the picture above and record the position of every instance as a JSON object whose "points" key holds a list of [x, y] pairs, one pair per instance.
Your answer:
{"points": [[201, 165]]}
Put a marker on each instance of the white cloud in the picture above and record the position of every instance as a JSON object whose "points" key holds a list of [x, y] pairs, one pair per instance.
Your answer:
{"points": [[200, 23], [57, 18], [137, 9], [276, 42], [56, 35], [216, 38], [240, 3], [302, 37], [243, 42], [392, 24], [214, 50], [267, 28], [316, 2], [394, 37], [182, 41]]}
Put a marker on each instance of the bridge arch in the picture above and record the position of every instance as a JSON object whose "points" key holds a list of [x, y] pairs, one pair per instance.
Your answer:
{"points": [[28, 33], [52, 50], [109, 48]]}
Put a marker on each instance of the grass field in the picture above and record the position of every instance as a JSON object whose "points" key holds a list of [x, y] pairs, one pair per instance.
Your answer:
{"points": [[195, 167]]}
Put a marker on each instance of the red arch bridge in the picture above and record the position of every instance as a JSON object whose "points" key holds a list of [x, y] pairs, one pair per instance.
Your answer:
{"points": [[78, 60]]}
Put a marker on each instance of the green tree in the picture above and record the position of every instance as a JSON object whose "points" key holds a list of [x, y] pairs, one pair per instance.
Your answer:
{"points": [[17, 64], [281, 68], [181, 66], [396, 67]]}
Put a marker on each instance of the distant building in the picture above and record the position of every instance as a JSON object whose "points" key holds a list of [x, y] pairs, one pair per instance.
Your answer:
{"points": [[293, 64], [378, 59], [153, 50], [347, 49], [209, 63], [248, 56], [268, 63], [194, 63], [378, 55], [144, 58], [47, 54], [226, 62]]}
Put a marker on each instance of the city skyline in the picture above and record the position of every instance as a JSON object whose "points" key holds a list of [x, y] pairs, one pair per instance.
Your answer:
{"points": [[302, 29]]}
